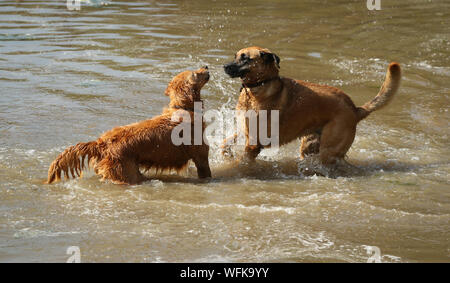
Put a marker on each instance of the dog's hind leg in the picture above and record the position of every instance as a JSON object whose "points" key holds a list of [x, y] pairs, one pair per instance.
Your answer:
{"points": [[122, 172], [336, 139], [132, 173]]}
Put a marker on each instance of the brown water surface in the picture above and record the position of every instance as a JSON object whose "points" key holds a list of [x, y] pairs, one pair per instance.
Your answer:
{"points": [[67, 76]]}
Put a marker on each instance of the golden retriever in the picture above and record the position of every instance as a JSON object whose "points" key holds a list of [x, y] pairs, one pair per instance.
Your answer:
{"points": [[119, 153]]}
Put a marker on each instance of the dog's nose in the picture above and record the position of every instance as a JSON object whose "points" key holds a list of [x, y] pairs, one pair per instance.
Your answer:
{"points": [[205, 67]]}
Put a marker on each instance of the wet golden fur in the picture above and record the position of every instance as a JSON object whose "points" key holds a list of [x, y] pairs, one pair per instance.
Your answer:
{"points": [[119, 153]]}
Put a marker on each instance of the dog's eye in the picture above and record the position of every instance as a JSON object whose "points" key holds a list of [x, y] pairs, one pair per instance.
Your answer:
{"points": [[245, 58]]}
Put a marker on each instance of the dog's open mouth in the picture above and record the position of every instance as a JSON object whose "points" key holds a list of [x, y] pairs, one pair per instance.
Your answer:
{"points": [[204, 74], [235, 70]]}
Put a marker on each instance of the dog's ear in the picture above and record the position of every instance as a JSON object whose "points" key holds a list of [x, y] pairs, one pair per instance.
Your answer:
{"points": [[168, 89], [277, 59], [270, 57], [179, 88]]}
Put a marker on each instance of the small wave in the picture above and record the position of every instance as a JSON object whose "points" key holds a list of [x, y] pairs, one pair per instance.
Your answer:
{"points": [[257, 208], [425, 65], [33, 233]]}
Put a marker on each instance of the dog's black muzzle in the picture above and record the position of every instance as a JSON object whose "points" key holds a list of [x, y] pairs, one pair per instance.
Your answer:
{"points": [[235, 70]]}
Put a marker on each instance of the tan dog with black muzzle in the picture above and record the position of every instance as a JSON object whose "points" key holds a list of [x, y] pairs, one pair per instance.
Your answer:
{"points": [[323, 116]]}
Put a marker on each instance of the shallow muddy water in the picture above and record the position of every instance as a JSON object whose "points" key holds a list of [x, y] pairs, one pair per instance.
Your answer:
{"points": [[67, 76]]}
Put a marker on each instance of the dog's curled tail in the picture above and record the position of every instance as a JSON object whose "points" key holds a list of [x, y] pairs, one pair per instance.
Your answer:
{"points": [[72, 160], [386, 93]]}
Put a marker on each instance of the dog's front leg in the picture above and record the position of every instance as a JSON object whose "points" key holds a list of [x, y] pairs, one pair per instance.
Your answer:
{"points": [[203, 170], [251, 152], [226, 145], [310, 145], [252, 145], [202, 163]]}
